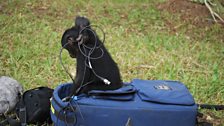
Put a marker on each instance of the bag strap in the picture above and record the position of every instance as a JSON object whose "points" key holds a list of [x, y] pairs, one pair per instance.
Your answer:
{"points": [[207, 106], [10, 121], [22, 112]]}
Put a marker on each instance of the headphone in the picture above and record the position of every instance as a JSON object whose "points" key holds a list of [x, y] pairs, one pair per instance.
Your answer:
{"points": [[91, 50], [88, 57]]}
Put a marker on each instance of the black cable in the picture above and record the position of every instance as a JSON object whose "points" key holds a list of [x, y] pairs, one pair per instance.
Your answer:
{"points": [[87, 56], [64, 110], [73, 110], [92, 49], [90, 52], [87, 59], [60, 57], [89, 27]]}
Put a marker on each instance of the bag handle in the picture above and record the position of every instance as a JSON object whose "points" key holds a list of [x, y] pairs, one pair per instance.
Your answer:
{"points": [[125, 93], [126, 90]]}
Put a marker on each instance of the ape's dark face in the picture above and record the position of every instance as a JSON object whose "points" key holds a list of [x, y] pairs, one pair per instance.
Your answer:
{"points": [[71, 36], [69, 41]]}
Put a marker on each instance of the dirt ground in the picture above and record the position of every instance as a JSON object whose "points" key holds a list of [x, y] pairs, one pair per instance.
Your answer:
{"points": [[196, 14], [190, 15]]}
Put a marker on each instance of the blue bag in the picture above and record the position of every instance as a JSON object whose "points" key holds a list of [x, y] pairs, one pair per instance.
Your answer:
{"points": [[139, 103]]}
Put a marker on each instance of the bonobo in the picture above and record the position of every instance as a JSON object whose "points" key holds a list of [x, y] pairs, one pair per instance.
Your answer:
{"points": [[95, 68]]}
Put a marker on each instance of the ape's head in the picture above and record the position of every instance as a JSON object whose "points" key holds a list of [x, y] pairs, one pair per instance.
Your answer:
{"points": [[72, 36]]}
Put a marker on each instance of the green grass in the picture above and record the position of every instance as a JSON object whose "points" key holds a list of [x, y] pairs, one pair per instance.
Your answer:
{"points": [[136, 37]]}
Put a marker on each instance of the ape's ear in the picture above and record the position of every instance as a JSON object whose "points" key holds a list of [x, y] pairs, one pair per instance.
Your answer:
{"points": [[81, 22]]}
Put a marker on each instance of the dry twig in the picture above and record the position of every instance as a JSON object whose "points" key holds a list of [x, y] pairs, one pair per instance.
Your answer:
{"points": [[214, 14]]}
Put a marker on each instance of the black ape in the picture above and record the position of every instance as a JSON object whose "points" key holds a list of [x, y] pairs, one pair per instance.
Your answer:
{"points": [[95, 69]]}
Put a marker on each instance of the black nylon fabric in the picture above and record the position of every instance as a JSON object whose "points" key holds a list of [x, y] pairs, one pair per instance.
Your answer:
{"points": [[37, 105]]}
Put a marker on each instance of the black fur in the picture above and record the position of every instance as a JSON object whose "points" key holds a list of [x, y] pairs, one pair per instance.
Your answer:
{"points": [[104, 66]]}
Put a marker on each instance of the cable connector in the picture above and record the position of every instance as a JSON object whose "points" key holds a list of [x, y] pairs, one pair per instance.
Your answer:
{"points": [[106, 81], [90, 66]]}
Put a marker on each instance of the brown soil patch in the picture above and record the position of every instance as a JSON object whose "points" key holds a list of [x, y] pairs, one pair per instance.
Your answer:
{"points": [[192, 18], [190, 12]]}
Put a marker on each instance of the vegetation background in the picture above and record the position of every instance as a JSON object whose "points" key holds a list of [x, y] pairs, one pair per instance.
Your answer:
{"points": [[147, 39]]}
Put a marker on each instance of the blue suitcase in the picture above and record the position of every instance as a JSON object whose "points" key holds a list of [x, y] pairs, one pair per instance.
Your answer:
{"points": [[138, 103]]}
